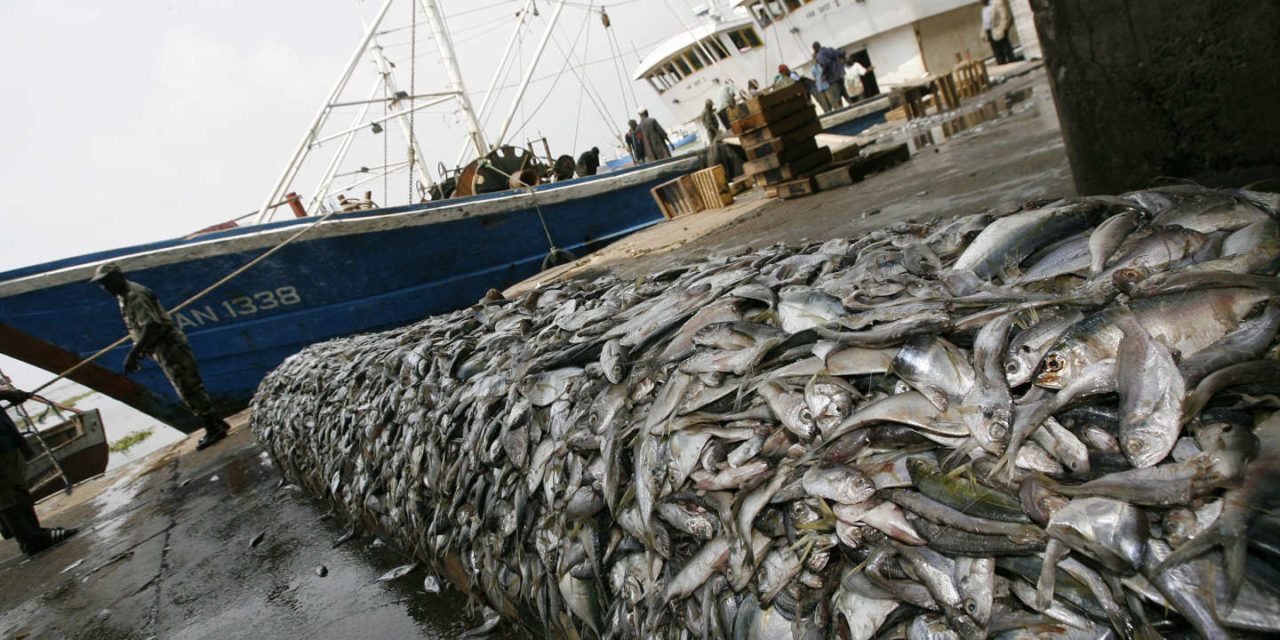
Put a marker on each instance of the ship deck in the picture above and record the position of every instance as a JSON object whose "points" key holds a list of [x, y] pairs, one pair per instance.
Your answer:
{"points": [[165, 549]]}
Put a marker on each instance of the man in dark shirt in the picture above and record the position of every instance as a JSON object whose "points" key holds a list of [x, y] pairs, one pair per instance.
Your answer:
{"points": [[588, 162], [17, 510], [154, 334], [634, 143]]}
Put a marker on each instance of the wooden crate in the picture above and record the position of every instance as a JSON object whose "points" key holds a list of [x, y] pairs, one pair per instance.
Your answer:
{"points": [[795, 169], [799, 138], [776, 113], [792, 123], [677, 197], [712, 188], [765, 100]]}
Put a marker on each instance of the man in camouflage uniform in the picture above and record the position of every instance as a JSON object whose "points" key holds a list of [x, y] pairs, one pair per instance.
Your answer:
{"points": [[154, 334], [17, 510]]}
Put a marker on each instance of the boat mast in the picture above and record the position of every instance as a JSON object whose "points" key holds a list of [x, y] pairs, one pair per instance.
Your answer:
{"points": [[528, 73], [291, 170], [450, 60]]}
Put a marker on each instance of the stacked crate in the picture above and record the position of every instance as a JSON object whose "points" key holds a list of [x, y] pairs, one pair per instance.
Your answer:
{"points": [[777, 131]]}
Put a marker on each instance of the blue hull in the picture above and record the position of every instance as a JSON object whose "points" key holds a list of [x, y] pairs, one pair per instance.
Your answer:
{"points": [[355, 273]]}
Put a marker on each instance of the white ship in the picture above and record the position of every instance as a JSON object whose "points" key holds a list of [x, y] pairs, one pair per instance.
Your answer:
{"points": [[743, 40]]}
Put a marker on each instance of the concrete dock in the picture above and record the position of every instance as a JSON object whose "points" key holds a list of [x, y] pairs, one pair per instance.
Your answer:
{"points": [[187, 544]]}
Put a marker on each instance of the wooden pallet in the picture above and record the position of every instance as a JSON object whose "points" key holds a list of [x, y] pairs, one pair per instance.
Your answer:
{"points": [[800, 149], [792, 123], [712, 187], [791, 189], [802, 138], [765, 100], [677, 197], [849, 172], [796, 168]]}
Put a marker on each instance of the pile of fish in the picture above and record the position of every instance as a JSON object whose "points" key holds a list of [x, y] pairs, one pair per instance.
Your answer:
{"points": [[1058, 421]]}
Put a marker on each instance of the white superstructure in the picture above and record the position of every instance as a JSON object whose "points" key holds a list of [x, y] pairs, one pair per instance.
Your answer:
{"points": [[744, 40]]}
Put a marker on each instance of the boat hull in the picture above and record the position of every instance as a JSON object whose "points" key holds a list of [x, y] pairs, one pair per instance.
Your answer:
{"points": [[353, 273], [80, 447]]}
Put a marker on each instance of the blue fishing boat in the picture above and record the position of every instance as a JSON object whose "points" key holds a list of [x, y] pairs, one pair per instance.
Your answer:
{"points": [[335, 272]]}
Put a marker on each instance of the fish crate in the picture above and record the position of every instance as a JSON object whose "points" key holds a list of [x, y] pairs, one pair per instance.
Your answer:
{"points": [[712, 187], [677, 197], [795, 144], [766, 101], [793, 123], [776, 113], [971, 78]]}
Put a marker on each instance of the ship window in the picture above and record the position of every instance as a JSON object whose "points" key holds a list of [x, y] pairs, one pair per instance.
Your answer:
{"points": [[745, 39], [683, 66], [671, 69], [776, 8], [762, 15], [694, 59], [792, 5], [713, 45]]}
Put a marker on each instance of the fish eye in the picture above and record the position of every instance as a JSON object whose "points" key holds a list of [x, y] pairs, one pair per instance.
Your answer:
{"points": [[998, 431], [1054, 362], [1134, 445], [1011, 366], [1129, 274], [970, 606], [806, 415]]}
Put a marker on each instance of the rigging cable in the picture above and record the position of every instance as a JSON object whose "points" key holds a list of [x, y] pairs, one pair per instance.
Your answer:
{"points": [[413, 92], [577, 120]]}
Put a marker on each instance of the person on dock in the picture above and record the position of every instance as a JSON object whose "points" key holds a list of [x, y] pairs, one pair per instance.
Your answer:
{"points": [[831, 64], [588, 162], [654, 137], [711, 120], [17, 510], [865, 76], [154, 334], [996, 21], [820, 89], [785, 77], [728, 98], [635, 144]]}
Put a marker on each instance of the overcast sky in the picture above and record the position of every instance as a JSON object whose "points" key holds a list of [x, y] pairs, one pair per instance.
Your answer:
{"points": [[135, 121]]}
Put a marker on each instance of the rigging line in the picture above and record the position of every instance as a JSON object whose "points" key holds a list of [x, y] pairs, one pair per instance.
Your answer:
{"points": [[555, 81], [585, 82], [577, 122], [618, 69], [413, 92], [623, 77], [204, 292]]}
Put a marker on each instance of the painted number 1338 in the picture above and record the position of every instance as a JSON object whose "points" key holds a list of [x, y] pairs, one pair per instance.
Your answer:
{"points": [[261, 301]]}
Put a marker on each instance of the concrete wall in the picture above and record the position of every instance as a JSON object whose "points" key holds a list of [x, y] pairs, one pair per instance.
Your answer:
{"points": [[951, 37], [1024, 27], [1165, 88], [896, 56]]}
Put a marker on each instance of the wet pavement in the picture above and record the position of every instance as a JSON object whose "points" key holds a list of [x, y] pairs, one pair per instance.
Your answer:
{"points": [[165, 549], [165, 552]]}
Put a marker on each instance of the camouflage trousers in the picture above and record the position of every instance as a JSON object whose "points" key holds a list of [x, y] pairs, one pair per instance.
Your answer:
{"points": [[178, 362]]}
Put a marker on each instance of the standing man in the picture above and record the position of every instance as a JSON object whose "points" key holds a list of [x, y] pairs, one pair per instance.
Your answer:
{"points": [[829, 61], [996, 21], [654, 137], [866, 77], [155, 335], [17, 510], [635, 144], [728, 98], [710, 120]]}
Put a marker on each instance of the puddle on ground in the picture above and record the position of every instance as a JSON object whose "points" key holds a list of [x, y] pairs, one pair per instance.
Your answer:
{"points": [[936, 128]]}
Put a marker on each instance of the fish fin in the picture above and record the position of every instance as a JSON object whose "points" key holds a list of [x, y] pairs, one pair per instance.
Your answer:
{"points": [[1053, 552], [1228, 531]]}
